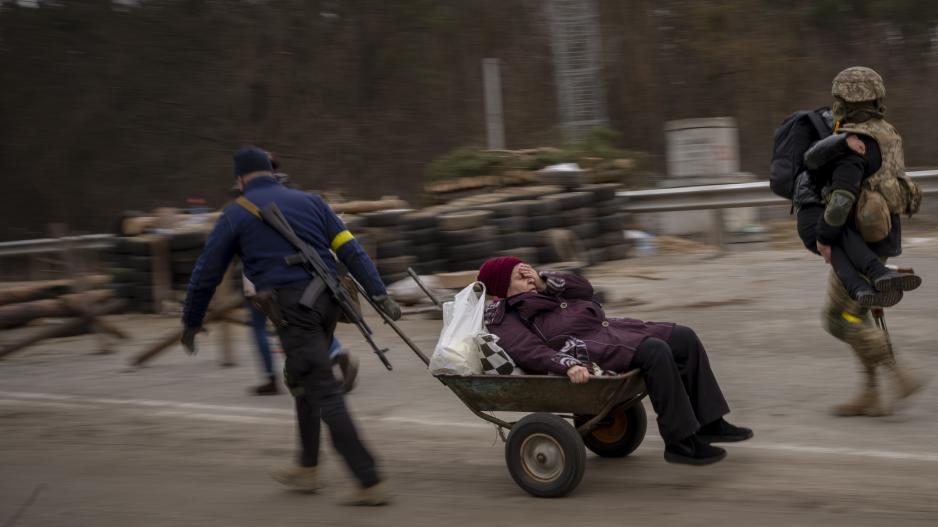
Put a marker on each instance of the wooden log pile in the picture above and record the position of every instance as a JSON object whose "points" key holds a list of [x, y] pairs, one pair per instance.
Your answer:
{"points": [[154, 255], [80, 301]]}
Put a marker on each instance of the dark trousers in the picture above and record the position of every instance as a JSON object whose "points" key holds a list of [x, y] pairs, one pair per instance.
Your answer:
{"points": [[851, 257], [308, 371], [259, 326], [680, 383]]}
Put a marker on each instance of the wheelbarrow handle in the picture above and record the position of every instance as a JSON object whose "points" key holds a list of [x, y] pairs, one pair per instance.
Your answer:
{"points": [[387, 320], [413, 274]]}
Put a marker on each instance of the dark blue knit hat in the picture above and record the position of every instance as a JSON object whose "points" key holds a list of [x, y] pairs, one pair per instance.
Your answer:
{"points": [[251, 159]]}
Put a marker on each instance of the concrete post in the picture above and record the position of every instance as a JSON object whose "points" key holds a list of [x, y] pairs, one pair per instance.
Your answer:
{"points": [[494, 122]]}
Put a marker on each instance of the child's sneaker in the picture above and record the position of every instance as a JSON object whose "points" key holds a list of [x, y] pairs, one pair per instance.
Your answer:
{"points": [[895, 281], [871, 298]]}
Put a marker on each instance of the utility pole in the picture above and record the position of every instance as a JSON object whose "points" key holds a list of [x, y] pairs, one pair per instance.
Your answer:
{"points": [[494, 120]]}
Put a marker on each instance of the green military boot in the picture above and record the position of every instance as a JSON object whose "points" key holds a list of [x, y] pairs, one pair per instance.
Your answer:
{"points": [[305, 479], [865, 403]]}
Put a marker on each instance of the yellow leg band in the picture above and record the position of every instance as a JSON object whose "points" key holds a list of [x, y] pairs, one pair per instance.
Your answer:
{"points": [[851, 318], [341, 239]]}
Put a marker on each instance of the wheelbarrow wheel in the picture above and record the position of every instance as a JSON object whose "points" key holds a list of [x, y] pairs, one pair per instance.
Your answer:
{"points": [[619, 434], [545, 455]]}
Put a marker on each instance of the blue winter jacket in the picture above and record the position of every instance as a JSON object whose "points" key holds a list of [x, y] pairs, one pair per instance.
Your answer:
{"points": [[262, 250]]}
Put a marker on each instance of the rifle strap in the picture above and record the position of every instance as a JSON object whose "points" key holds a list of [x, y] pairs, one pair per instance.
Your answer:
{"points": [[249, 206], [316, 285], [340, 239]]}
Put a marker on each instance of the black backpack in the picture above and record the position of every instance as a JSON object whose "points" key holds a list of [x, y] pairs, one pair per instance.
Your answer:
{"points": [[793, 138]]}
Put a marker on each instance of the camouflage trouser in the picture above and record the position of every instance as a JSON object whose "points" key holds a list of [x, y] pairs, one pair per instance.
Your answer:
{"points": [[847, 321]]}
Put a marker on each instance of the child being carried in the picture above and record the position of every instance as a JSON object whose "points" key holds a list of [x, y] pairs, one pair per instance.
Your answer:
{"points": [[837, 166]]}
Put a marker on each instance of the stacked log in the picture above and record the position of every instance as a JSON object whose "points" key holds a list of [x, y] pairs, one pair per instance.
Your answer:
{"points": [[81, 301], [185, 249], [563, 222], [565, 218], [132, 271], [48, 289], [21, 314]]}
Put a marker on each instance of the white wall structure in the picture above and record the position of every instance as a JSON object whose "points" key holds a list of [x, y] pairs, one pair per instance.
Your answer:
{"points": [[702, 152]]}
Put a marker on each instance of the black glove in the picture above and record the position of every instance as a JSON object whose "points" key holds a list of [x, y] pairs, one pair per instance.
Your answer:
{"points": [[389, 306], [188, 338]]}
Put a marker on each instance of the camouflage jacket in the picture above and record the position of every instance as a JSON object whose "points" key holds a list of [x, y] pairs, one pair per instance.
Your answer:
{"points": [[902, 195]]}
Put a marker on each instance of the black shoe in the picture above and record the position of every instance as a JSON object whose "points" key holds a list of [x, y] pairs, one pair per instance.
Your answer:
{"points": [[693, 451], [870, 298], [893, 280], [348, 365], [268, 388], [720, 431]]}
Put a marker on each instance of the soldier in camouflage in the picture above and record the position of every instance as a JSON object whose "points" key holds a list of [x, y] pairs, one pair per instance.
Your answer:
{"points": [[859, 95]]}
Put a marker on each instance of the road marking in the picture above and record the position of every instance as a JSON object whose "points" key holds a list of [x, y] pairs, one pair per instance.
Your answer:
{"points": [[142, 402], [201, 416], [255, 415], [842, 451]]}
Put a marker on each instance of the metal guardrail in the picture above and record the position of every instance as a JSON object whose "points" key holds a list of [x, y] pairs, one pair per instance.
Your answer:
{"points": [[49, 245], [704, 197], [754, 194]]}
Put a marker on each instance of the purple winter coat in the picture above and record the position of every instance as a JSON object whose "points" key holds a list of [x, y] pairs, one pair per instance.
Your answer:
{"points": [[562, 327]]}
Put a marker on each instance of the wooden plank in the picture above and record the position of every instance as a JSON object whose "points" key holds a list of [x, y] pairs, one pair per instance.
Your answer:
{"points": [[67, 328], [16, 315], [161, 272], [45, 289], [360, 207], [220, 311]]}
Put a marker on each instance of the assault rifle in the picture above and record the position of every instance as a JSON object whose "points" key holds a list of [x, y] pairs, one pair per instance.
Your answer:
{"points": [[323, 278]]}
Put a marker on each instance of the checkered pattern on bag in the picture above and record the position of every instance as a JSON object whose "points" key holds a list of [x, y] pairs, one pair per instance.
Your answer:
{"points": [[495, 360]]}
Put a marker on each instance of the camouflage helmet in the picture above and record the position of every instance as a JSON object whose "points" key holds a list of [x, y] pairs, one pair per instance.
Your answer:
{"points": [[858, 84]]}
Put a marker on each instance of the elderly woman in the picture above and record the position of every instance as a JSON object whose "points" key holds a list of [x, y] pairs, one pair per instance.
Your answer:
{"points": [[549, 323]]}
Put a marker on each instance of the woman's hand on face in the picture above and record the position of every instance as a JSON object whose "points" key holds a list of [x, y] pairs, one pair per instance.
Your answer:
{"points": [[578, 374], [528, 272]]}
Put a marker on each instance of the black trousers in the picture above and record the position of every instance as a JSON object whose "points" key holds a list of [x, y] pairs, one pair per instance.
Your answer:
{"points": [[851, 257], [318, 395], [682, 388]]}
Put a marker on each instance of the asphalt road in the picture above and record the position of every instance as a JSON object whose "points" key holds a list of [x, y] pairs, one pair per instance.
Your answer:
{"points": [[85, 440]]}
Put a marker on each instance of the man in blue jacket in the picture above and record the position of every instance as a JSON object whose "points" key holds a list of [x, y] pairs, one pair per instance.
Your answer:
{"points": [[307, 332]]}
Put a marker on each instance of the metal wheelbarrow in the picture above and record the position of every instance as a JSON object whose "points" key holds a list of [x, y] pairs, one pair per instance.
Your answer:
{"points": [[545, 453]]}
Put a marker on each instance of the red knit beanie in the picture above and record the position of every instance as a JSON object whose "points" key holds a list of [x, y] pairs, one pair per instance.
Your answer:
{"points": [[495, 273]]}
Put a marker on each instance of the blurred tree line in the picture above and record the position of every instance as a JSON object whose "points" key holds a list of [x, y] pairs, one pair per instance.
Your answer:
{"points": [[110, 105]]}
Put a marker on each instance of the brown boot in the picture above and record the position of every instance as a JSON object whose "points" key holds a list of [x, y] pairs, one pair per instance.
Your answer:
{"points": [[305, 479], [865, 403], [373, 496], [907, 382]]}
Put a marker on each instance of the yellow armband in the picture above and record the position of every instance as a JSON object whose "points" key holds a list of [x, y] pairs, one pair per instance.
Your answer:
{"points": [[341, 239]]}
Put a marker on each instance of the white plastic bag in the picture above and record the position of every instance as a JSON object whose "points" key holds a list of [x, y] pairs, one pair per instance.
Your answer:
{"points": [[457, 353]]}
